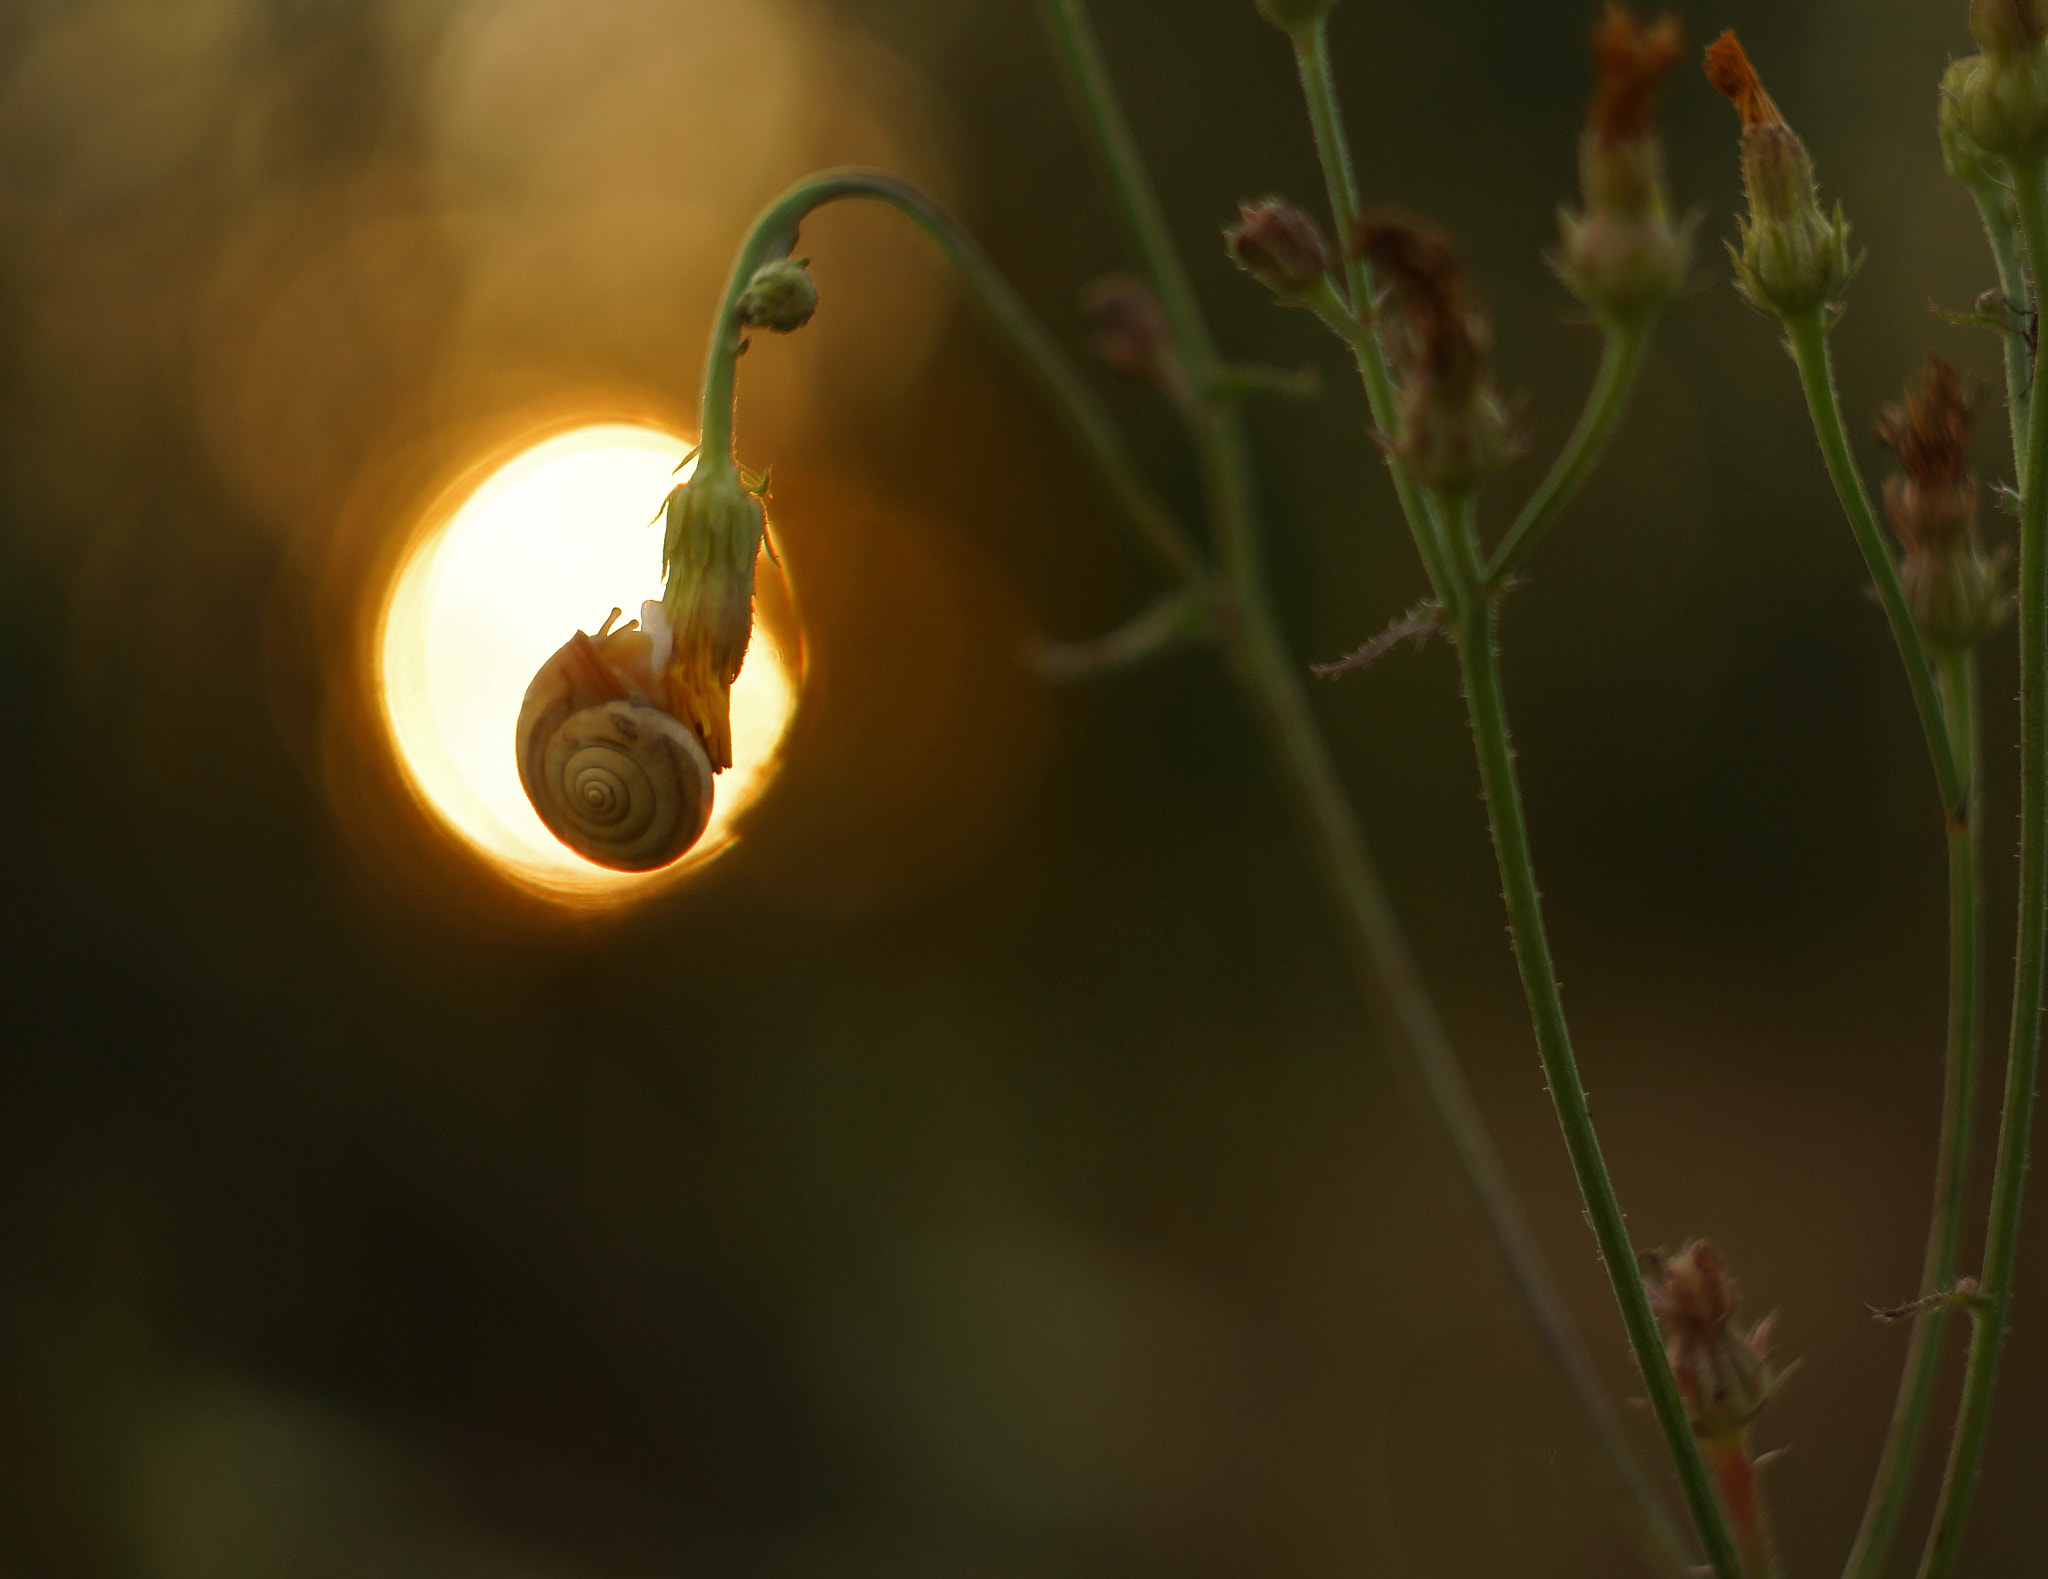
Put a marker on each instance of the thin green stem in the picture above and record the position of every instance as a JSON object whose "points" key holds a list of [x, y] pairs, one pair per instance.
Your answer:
{"points": [[1808, 336], [1903, 1439], [2019, 296], [1621, 358], [2023, 1044], [773, 235], [1479, 663], [1333, 152]]}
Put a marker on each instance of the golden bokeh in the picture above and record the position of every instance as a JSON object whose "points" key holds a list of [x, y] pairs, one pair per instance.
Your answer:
{"points": [[548, 543]]}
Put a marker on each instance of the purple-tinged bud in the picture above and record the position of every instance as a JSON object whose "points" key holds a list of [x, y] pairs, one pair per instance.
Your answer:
{"points": [[1794, 259], [1131, 332], [714, 529], [1621, 255], [1951, 586], [1723, 1369], [1453, 431], [780, 297], [1279, 246]]}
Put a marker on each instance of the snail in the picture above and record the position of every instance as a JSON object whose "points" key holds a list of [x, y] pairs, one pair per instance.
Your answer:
{"points": [[614, 775]]}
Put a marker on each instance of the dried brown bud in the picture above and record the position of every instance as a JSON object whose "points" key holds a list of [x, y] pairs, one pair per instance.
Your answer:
{"points": [[1453, 429], [1622, 256], [1723, 1370], [1794, 259], [1279, 246], [1951, 587]]}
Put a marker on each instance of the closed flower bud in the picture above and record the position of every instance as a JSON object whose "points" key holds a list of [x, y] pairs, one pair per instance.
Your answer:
{"points": [[1723, 1369], [1453, 431], [714, 529], [1952, 588], [2002, 95], [1294, 15], [1131, 333], [1794, 259], [1621, 255], [1964, 156], [1279, 246], [780, 297]]}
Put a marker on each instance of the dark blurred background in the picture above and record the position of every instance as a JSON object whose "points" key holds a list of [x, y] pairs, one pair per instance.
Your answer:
{"points": [[986, 1168]]}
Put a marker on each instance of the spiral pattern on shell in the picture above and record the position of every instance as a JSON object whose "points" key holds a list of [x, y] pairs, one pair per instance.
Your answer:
{"points": [[617, 779]]}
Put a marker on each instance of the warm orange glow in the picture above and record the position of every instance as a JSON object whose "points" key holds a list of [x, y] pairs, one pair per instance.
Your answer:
{"points": [[548, 544]]}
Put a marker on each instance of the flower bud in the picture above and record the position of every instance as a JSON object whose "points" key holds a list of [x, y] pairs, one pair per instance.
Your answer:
{"points": [[713, 534], [1131, 333], [1793, 258], [2002, 95], [1453, 431], [1723, 1370], [1952, 588], [1292, 16], [780, 297], [1964, 156], [1279, 246], [1621, 256]]}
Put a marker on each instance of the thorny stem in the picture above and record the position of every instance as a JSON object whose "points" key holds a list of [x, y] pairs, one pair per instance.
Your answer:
{"points": [[773, 235], [1894, 1476], [2019, 296], [1353, 321], [1808, 336], [1621, 357], [1486, 704], [2023, 1044]]}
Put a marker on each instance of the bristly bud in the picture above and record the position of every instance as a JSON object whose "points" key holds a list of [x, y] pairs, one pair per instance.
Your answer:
{"points": [[1279, 246], [1292, 16], [1723, 1369], [1621, 256], [2002, 95], [1454, 430], [780, 297], [1964, 156], [1951, 586], [714, 529], [1794, 259]]}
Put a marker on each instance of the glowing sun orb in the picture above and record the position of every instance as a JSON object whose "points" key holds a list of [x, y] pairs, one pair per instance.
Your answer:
{"points": [[547, 544]]}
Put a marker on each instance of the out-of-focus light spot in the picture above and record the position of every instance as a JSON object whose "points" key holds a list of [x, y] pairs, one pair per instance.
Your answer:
{"points": [[549, 543]]}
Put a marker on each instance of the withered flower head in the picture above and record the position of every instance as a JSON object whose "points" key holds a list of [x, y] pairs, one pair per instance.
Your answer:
{"points": [[1723, 1369], [1453, 429], [714, 529], [1621, 255], [1279, 246], [1794, 259], [1951, 587]]}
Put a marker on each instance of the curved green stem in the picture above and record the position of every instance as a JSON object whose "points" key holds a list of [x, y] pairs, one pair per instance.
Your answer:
{"points": [[1621, 358], [773, 235], [2023, 1044], [1903, 1438], [1486, 703], [1809, 340]]}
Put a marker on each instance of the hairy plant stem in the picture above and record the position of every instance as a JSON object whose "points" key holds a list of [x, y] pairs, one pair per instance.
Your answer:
{"points": [[1807, 334], [1621, 358], [2023, 1043], [772, 236], [1903, 1438], [1479, 664], [2019, 296]]}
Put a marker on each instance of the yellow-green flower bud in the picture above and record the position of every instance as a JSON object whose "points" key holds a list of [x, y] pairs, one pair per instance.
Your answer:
{"points": [[714, 529], [2002, 99], [780, 297], [1794, 258], [1621, 255], [1965, 157], [1294, 15]]}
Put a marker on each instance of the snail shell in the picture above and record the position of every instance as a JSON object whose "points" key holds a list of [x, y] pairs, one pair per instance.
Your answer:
{"points": [[617, 778]]}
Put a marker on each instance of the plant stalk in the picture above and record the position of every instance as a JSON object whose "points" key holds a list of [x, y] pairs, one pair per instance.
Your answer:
{"points": [[1808, 336], [1903, 1438], [2019, 295], [1479, 664], [2023, 1044]]}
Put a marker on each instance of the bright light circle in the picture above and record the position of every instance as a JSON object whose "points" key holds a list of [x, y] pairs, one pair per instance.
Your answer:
{"points": [[548, 544]]}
